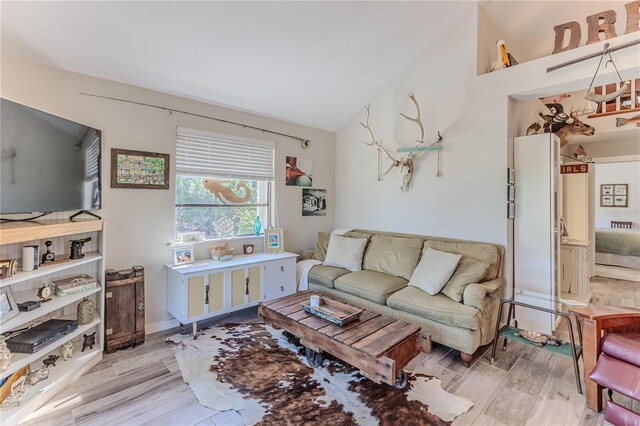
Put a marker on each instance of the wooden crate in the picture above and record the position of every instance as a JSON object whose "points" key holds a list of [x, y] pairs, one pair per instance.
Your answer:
{"points": [[124, 308]]}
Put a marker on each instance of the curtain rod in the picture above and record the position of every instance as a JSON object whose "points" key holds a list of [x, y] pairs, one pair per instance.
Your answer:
{"points": [[593, 55], [304, 142]]}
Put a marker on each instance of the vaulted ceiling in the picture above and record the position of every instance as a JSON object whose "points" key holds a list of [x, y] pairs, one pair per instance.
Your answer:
{"points": [[312, 63]]}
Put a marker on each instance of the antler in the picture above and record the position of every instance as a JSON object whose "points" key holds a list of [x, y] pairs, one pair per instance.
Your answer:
{"points": [[378, 145], [417, 120]]}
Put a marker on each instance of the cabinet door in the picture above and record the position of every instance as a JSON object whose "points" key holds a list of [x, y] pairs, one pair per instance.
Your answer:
{"points": [[120, 310], [195, 303], [238, 287], [255, 284], [216, 292]]}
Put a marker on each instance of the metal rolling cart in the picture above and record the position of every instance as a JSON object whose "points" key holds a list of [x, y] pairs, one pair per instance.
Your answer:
{"points": [[509, 332]]}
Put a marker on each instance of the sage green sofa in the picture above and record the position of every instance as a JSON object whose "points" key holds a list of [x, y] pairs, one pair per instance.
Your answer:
{"points": [[382, 286]]}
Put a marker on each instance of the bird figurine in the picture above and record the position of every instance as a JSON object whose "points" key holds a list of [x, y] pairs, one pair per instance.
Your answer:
{"points": [[580, 153], [503, 59]]}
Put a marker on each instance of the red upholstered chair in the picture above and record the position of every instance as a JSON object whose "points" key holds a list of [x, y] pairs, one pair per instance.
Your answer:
{"points": [[611, 353]]}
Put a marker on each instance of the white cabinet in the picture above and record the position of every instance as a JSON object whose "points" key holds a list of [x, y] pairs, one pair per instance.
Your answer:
{"points": [[574, 271], [209, 288]]}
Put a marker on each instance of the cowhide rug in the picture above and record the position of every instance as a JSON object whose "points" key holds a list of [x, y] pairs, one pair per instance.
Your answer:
{"points": [[262, 374]]}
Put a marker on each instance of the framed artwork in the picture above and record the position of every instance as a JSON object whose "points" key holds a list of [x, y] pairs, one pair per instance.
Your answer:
{"points": [[273, 240], [620, 189], [298, 172], [139, 169], [620, 201], [314, 202], [614, 195], [183, 255], [606, 189], [8, 305]]}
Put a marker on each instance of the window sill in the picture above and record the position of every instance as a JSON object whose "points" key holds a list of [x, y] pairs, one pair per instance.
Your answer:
{"points": [[195, 243]]}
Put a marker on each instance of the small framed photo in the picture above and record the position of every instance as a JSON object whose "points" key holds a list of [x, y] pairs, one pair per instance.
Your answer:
{"points": [[620, 189], [606, 189], [8, 305], [511, 210], [511, 176], [620, 201], [606, 201], [273, 241], [183, 255], [511, 193]]}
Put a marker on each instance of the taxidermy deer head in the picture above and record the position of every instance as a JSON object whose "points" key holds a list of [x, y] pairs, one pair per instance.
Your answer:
{"points": [[403, 164]]}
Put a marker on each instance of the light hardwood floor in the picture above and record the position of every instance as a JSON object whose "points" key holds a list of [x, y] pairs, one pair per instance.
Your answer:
{"points": [[525, 386]]}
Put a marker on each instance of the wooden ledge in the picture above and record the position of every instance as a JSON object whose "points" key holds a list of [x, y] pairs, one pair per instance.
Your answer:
{"points": [[604, 312]]}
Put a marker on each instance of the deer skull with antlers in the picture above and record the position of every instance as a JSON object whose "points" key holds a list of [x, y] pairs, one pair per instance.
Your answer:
{"points": [[405, 163]]}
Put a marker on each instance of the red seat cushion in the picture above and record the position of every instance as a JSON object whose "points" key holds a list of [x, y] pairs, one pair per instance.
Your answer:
{"points": [[623, 346], [617, 375], [620, 416]]}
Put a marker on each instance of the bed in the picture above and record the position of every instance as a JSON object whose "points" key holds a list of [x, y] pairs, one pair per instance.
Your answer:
{"points": [[618, 247]]}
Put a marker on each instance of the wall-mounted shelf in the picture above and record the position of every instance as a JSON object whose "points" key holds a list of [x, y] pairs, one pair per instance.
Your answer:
{"points": [[42, 271], [56, 302], [20, 360], [17, 232]]}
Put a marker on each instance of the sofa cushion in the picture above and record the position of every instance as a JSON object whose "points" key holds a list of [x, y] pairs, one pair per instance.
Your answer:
{"points": [[370, 285], [393, 255], [326, 275], [482, 252], [468, 271], [345, 252], [358, 234], [320, 252], [439, 308], [434, 270]]}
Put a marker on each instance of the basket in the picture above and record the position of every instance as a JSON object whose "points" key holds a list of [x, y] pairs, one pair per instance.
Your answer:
{"points": [[222, 253]]}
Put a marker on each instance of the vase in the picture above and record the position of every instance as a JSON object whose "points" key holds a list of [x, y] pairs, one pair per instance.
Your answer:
{"points": [[86, 311], [258, 225]]}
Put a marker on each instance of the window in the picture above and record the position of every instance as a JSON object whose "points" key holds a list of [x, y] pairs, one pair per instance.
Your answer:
{"points": [[223, 185]]}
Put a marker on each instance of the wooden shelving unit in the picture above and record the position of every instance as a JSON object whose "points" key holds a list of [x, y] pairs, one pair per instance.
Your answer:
{"points": [[24, 288]]}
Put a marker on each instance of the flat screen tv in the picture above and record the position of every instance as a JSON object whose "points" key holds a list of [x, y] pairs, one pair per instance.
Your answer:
{"points": [[47, 163]]}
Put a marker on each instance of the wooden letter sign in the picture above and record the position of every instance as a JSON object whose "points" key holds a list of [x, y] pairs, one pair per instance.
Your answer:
{"points": [[603, 22], [567, 169]]}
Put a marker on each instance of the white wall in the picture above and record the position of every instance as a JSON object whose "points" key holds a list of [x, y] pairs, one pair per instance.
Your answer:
{"points": [[628, 173], [140, 223], [469, 200]]}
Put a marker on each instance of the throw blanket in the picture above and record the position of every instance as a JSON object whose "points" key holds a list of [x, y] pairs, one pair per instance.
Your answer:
{"points": [[302, 272], [625, 242]]}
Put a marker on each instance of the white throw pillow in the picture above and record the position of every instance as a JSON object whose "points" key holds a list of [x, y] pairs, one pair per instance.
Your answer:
{"points": [[344, 252], [434, 270]]}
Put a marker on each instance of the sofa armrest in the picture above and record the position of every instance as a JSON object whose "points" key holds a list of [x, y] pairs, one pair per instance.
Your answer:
{"points": [[305, 255], [474, 294]]}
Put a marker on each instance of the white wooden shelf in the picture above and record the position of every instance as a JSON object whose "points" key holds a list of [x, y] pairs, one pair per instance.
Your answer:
{"points": [[59, 376], [56, 302], [17, 232], [21, 276], [20, 360]]}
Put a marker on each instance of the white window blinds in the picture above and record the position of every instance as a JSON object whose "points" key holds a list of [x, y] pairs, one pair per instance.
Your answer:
{"points": [[213, 155]]}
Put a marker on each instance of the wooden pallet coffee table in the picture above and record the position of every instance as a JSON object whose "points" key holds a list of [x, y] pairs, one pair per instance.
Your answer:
{"points": [[378, 345]]}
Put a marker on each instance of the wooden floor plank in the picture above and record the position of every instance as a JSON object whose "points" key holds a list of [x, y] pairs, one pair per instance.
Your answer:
{"points": [[290, 300], [558, 404], [334, 329], [361, 331], [379, 342]]}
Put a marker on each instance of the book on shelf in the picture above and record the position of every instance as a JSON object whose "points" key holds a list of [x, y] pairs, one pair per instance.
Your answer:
{"points": [[72, 282], [77, 289]]}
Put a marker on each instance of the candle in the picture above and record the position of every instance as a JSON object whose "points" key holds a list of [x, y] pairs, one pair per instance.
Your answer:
{"points": [[314, 301], [27, 258]]}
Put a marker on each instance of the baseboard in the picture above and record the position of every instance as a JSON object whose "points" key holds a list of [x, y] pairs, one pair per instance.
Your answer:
{"points": [[161, 326]]}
